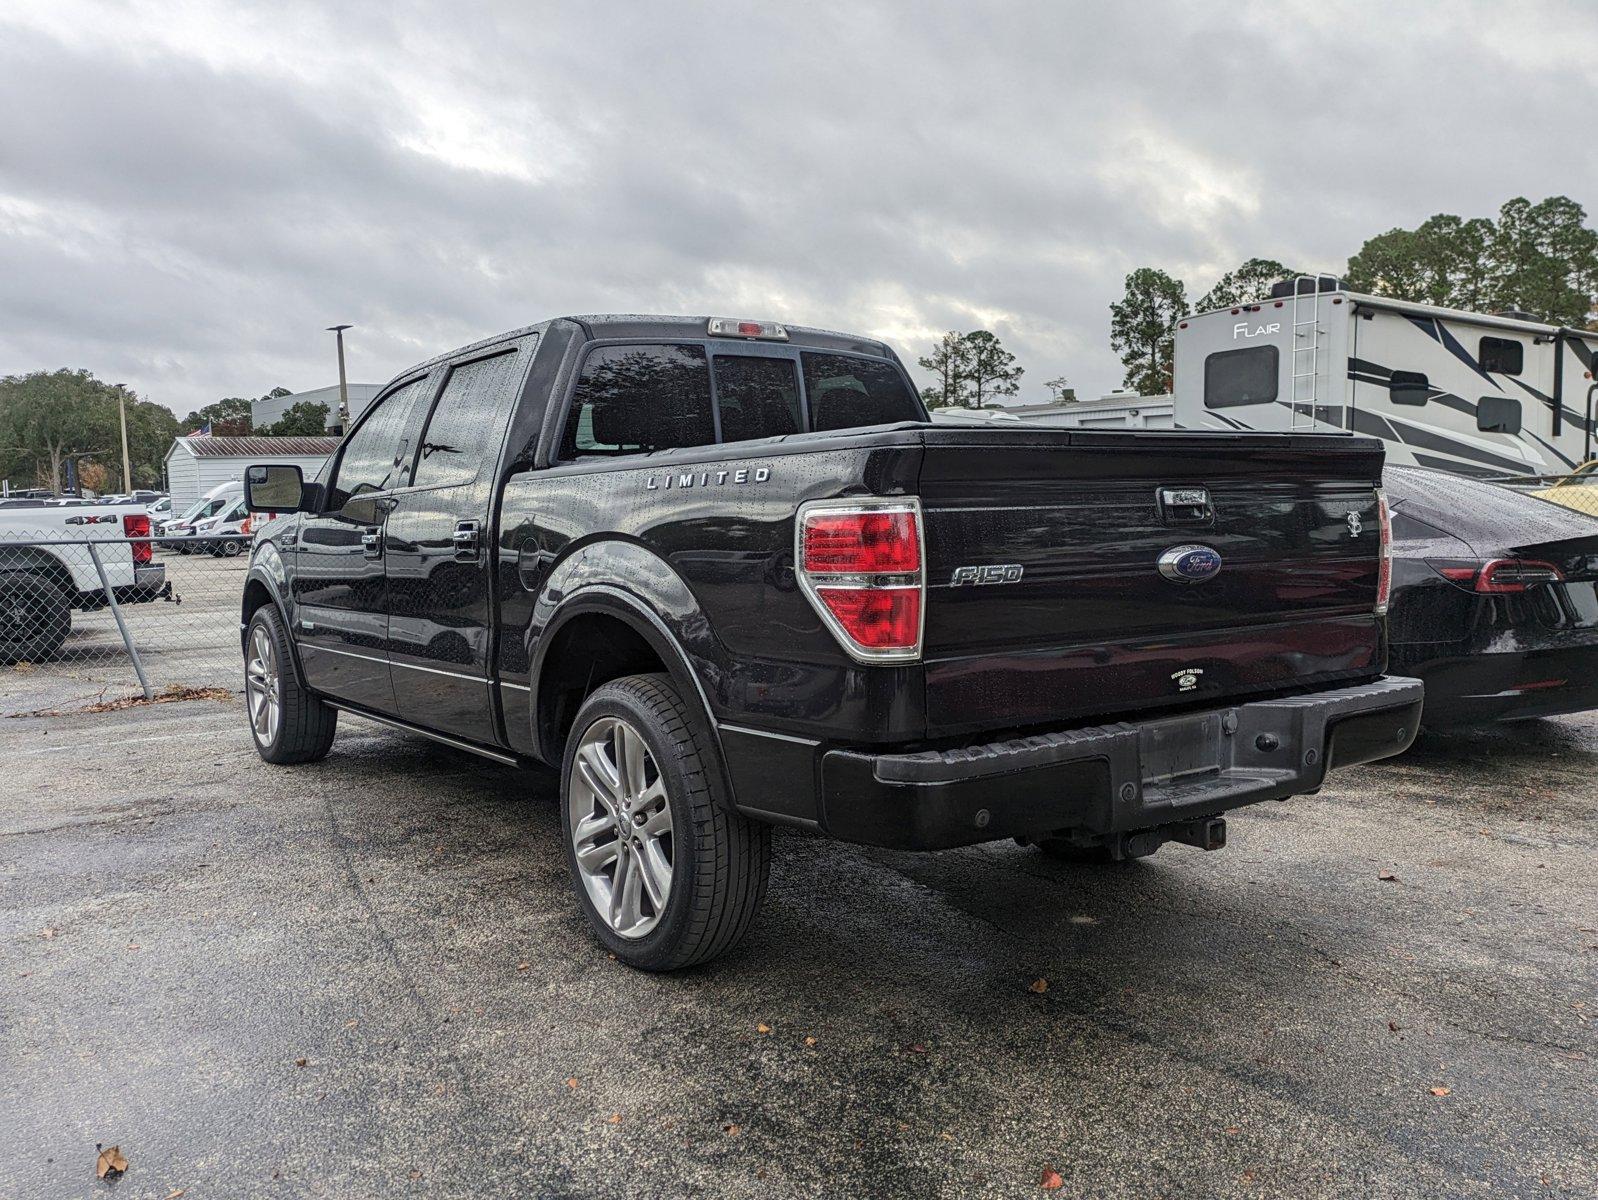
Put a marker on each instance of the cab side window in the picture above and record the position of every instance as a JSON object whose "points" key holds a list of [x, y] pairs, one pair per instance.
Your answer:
{"points": [[467, 423], [636, 399], [375, 456]]}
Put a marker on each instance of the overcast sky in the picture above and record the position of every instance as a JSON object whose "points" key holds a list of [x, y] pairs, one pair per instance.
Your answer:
{"points": [[190, 192]]}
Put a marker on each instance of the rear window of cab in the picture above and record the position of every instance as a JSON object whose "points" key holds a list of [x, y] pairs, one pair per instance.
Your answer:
{"points": [[645, 397]]}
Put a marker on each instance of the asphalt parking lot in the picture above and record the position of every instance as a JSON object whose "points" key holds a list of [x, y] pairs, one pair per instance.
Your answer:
{"points": [[367, 977]]}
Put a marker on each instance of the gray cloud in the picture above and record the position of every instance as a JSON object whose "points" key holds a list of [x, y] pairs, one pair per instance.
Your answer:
{"points": [[186, 201]]}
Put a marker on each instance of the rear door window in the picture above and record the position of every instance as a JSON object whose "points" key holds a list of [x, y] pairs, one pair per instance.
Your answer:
{"points": [[1237, 377], [468, 422], [845, 392], [636, 399], [756, 397]]}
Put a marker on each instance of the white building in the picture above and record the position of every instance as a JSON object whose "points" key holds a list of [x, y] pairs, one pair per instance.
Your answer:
{"points": [[195, 465], [267, 412]]}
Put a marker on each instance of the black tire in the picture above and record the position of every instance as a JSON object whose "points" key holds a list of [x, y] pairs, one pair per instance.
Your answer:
{"points": [[305, 725], [35, 617], [231, 548], [721, 860]]}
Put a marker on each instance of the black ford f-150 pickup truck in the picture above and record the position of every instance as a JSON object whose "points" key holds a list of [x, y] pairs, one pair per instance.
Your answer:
{"points": [[724, 574]]}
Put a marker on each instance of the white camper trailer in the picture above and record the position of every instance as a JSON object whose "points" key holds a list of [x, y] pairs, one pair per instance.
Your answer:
{"points": [[1465, 392]]}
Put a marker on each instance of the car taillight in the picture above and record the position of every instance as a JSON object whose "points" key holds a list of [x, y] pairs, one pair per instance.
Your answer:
{"points": [[860, 564], [248, 525], [1500, 576], [1384, 567], [137, 525]]}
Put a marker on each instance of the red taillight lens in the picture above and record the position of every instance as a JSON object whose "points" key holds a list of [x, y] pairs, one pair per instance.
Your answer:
{"points": [[137, 525], [860, 563], [861, 543], [876, 618], [248, 525], [1499, 576], [1384, 568]]}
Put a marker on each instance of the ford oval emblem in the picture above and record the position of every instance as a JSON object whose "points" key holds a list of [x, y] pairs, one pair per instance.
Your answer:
{"points": [[1190, 564]]}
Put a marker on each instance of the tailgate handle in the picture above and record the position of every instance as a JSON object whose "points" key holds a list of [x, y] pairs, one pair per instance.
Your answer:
{"points": [[1186, 506]]}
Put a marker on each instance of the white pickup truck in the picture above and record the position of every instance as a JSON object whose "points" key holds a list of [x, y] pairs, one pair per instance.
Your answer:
{"points": [[47, 569]]}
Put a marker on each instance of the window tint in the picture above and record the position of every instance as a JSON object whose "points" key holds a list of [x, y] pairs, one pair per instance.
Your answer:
{"points": [[375, 455], [846, 392], [1246, 376], [1408, 387], [756, 397], [1498, 414], [468, 422], [1504, 355], [632, 399]]}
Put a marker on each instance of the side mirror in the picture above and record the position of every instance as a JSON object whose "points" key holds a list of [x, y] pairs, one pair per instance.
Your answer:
{"points": [[276, 488]]}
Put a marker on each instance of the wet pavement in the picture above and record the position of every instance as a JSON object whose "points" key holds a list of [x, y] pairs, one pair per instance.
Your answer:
{"points": [[368, 977]]}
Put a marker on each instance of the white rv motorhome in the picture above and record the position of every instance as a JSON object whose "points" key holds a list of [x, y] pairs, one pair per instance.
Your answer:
{"points": [[1465, 392]]}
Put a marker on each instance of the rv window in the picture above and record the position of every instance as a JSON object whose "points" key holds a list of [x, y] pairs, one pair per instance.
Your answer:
{"points": [[1235, 377], [1498, 414], [1408, 387], [1502, 355]]}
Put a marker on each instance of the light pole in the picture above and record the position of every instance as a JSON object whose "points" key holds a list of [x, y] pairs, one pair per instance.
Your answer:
{"points": [[343, 387], [122, 418]]}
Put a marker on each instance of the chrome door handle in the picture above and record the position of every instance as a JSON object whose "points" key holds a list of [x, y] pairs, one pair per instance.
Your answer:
{"points": [[372, 544], [467, 540]]}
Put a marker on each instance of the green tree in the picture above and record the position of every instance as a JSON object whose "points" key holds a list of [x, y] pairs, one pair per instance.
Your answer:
{"points": [[228, 417], [1248, 284], [305, 419], [151, 428], [990, 369], [1538, 258], [48, 417], [1141, 328], [949, 362], [1060, 391]]}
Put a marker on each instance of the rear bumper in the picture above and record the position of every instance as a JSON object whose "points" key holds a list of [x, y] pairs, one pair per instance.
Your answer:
{"points": [[149, 583], [1090, 784], [1480, 688]]}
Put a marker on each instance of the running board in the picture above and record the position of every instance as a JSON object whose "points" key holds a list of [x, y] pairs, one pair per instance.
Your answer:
{"points": [[499, 756]]}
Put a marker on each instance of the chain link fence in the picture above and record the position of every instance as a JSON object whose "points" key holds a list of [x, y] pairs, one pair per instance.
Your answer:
{"points": [[87, 620]]}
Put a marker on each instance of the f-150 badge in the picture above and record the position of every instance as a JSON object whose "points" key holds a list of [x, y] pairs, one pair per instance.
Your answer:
{"points": [[1190, 564], [987, 573]]}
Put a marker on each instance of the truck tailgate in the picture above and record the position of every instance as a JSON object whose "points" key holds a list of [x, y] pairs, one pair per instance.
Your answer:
{"points": [[1073, 616]]}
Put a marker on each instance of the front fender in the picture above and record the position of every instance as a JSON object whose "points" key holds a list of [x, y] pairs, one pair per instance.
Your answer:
{"points": [[269, 573]]}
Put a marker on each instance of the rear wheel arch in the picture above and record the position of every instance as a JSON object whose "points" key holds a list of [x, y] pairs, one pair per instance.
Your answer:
{"points": [[38, 561], [599, 634]]}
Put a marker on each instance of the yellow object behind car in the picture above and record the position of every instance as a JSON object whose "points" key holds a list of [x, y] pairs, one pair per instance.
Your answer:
{"points": [[1578, 490]]}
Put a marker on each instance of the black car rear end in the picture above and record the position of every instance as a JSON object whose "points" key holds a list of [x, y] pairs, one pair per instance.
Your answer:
{"points": [[1495, 599]]}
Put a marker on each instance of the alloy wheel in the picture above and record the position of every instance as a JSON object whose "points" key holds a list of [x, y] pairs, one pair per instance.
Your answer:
{"points": [[619, 815], [261, 686]]}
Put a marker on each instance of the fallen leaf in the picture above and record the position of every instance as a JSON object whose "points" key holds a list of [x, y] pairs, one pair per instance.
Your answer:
{"points": [[110, 1162], [415, 1173], [810, 1041], [916, 1048], [948, 1137], [1039, 986], [731, 1129], [1394, 1026], [47, 932], [1439, 1091], [762, 1028], [175, 1193], [1233, 1129], [1388, 877], [523, 966], [613, 1119], [572, 1083], [1051, 1181], [301, 1061]]}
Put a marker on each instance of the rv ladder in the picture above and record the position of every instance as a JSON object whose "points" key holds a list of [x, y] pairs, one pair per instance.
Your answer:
{"points": [[1304, 396]]}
